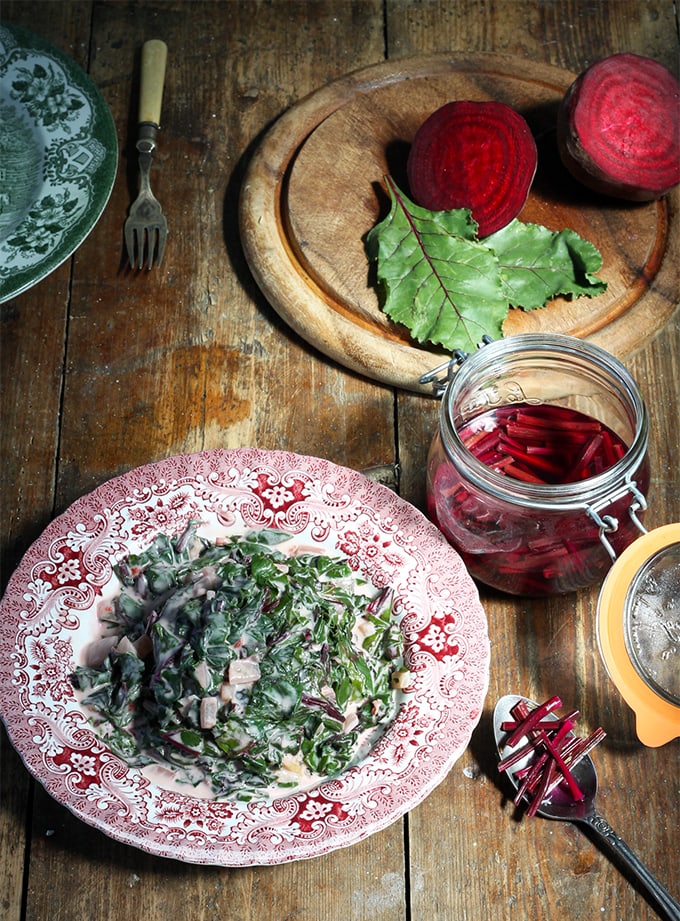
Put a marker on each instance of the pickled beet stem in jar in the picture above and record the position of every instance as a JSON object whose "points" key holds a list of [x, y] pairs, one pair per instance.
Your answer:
{"points": [[542, 444], [539, 469]]}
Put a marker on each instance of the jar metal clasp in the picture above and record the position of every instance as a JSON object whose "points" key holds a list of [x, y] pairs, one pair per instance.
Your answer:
{"points": [[441, 376], [607, 524]]}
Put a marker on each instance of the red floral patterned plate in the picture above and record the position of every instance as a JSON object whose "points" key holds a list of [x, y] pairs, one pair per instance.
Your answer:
{"points": [[48, 618]]}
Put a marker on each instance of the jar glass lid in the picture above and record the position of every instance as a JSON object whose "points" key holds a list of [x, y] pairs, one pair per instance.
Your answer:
{"points": [[638, 630], [652, 622]]}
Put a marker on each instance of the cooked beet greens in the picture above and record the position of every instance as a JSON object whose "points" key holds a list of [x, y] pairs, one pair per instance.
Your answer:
{"points": [[239, 664]]}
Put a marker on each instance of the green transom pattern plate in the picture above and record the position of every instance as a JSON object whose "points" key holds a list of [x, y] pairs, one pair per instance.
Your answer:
{"points": [[58, 158]]}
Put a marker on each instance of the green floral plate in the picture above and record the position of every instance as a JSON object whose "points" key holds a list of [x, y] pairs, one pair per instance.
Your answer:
{"points": [[58, 158]]}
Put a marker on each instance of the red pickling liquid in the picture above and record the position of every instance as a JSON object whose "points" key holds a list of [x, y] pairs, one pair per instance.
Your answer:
{"points": [[542, 444], [523, 550]]}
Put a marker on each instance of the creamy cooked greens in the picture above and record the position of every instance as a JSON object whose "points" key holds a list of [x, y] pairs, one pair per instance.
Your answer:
{"points": [[242, 665]]}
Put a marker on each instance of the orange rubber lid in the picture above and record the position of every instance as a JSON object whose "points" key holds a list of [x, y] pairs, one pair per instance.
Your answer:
{"points": [[638, 632]]}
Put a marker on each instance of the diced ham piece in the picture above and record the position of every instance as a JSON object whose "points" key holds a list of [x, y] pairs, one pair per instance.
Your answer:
{"points": [[244, 671], [400, 679], [125, 646], [351, 720], [202, 674], [208, 712], [96, 652]]}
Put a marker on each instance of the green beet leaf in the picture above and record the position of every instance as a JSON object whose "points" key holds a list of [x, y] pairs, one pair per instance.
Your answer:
{"points": [[439, 281], [537, 264], [449, 288]]}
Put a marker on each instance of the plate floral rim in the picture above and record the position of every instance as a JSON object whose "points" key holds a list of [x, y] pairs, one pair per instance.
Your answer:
{"points": [[47, 618]]}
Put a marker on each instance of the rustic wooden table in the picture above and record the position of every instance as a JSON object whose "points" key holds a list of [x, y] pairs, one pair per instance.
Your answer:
{"points": [[104, 370]]}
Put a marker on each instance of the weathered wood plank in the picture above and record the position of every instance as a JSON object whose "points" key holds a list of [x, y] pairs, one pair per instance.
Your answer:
{"points": [[32, 344], [191, 357], [493, 865]]}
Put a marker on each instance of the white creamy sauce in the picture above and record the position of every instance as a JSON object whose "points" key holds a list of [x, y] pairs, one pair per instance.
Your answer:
{"points": [[293, 777]]}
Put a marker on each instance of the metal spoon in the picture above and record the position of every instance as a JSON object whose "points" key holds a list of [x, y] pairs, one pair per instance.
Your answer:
{"points": [[557, 806]]}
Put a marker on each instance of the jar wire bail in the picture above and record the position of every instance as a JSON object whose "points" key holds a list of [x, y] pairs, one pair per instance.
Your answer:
{"points": [[441, 376], [607, 524]]}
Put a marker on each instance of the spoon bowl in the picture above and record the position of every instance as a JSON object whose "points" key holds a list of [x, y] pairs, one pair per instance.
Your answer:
{"points": [[560, 805]]}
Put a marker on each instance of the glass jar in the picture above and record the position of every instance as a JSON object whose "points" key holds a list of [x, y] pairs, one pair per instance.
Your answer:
{"points": [[534, 536]]}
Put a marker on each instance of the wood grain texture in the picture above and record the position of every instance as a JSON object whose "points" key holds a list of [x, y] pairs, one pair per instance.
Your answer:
{"points": [[32, 344], [103, 369], [192, 357], [548, 870]]}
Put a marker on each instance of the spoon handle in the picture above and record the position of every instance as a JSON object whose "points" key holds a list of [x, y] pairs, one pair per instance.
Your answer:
{"points": [[657, 895]]}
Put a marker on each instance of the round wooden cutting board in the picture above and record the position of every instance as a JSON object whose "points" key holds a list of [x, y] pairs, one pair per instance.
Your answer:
{"points": [[315, 187]]}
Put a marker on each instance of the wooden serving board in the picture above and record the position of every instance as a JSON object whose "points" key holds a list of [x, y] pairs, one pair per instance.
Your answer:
{"points": [[315, 188]]}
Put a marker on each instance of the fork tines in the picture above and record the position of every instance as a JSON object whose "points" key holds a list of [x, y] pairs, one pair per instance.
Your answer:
{"points": [[145, 242]]}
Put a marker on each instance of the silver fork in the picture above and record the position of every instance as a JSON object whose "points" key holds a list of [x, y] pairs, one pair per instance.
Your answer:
{"points": [[146, 229]]}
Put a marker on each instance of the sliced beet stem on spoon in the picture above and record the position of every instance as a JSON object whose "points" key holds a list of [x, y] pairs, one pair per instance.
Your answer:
{"points": [[532, 718], [549, 753]]}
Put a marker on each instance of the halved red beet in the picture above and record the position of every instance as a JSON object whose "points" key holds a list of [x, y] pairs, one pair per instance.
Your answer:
{"points": [[619, 128], [476, 155]]}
